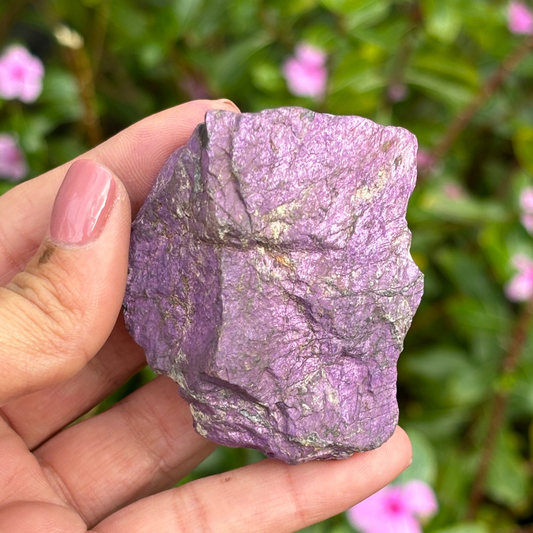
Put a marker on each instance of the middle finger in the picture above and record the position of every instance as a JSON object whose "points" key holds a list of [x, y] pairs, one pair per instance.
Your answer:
{"points": [[141, 446]]}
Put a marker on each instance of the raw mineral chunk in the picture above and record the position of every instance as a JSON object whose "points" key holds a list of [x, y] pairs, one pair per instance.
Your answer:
{"points": [[270, 277]]}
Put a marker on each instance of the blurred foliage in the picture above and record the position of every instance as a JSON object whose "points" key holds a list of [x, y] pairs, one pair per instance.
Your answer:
{"points": [[145, 55]]}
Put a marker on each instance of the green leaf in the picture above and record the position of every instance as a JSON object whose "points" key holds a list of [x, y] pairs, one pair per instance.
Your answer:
{"points": [[229, 68], [521, 397], [485, 23], [62, 150], [325, 527], [60, 97], [315, 528], [461, 383], [294, 7], [437, 363], [523, 147], [151, 55], [493, 241], [350, 102], [443, 19], [467, 388], [362, 81], [367, 13], [450, 67], [341, 528], [474, 315], [33, 137], [465, 210], [147, 374], [5, 186], [185, 12], [357, 73], [424, 465], [129, 23], [456, 472], [465, 527], [508, 480], [267, 77], [469, 274], [359, 14], [451, 93], [340, 6]]}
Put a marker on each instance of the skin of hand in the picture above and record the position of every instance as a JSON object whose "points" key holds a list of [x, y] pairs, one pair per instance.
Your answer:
{"points": [[64, 348]]}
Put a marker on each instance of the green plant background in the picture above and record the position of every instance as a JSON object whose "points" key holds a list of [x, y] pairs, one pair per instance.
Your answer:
{"points": [[142, 56]]}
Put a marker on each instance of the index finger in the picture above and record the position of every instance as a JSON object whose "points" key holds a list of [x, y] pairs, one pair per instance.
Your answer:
{"points": [[135, 155], [266, 496]]}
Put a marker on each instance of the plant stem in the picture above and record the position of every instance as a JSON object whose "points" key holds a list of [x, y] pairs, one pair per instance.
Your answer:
{"points": [[101, 23], [462, 120], [74, 52], [80, 65], [497, 417], [9, 16]]}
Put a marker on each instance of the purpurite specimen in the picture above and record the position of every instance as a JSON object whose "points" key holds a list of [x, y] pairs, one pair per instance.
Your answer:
{"points": [[270, 276]]}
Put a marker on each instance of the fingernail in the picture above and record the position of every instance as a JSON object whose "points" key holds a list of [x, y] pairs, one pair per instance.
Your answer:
{"points": [[82, 204], [228, 104]]}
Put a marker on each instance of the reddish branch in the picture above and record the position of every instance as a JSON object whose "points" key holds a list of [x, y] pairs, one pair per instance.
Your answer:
{"points": [[462, 120], [489, 88], [497, 417]]}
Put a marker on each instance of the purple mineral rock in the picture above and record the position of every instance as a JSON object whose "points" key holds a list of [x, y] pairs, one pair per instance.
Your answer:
{"points": [[270, 277]]}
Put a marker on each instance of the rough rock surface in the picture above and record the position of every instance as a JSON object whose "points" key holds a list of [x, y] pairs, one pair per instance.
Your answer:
{"points": [[270, 277]]}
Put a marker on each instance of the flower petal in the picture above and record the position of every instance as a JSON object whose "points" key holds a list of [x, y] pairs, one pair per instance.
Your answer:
{"points": [[520, 288], [20, 75], [520, 18], [527, 222], [522, 262], [420, 498], [306, 73], [12, 162], [310, 55], [526, 199], [386, 511]]}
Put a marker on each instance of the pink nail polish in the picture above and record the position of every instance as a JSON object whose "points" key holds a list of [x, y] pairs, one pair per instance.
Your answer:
{"points": [[83, 203]]}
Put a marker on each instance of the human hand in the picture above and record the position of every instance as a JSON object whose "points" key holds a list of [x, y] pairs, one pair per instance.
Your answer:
{"points": [[63, 349]]}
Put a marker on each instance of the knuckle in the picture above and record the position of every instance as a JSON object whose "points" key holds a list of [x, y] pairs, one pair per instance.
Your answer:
{"points": [[41, 304]]}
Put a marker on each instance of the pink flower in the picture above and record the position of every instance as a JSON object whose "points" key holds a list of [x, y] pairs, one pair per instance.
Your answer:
{"points": [[527, 221], [12, 163], [526, 199], [425, 159], [395, 509], [520, 18], [526, 204], [520, 288], [21, 75], [397, 92], [306, 72]]}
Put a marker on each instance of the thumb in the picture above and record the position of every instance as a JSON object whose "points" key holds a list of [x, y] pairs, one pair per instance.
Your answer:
{"points": [[57, 314]]}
